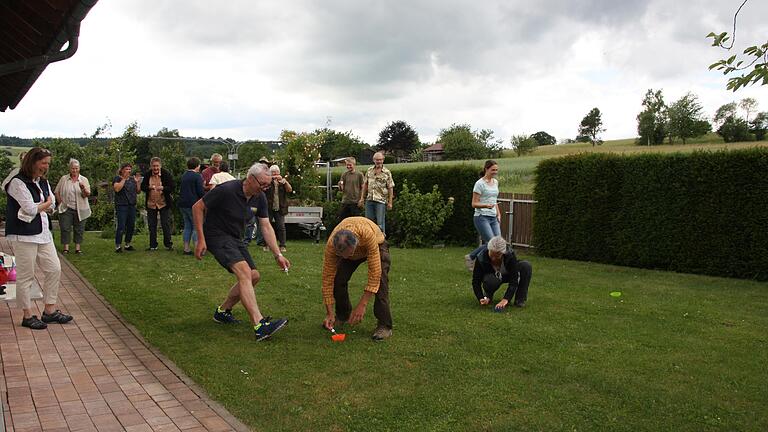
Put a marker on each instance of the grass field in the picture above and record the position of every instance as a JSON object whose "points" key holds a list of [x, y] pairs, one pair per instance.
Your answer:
{"points": [[674, 352]]}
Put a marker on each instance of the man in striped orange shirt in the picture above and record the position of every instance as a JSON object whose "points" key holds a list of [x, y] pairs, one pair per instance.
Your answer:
{"points": [[354, 241]]}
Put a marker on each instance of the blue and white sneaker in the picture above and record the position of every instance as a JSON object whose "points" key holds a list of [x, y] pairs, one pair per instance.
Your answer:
{"points": [[267, 327], [225, 317]]}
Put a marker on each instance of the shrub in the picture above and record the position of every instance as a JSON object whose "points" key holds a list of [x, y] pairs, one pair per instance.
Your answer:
{"points": [[702, 212], [102, 216], [417, 218]]}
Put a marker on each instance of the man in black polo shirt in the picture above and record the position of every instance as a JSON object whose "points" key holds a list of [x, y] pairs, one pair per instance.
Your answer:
{"points": [[220, 218]]}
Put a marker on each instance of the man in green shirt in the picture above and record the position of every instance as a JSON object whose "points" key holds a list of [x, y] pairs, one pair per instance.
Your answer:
{"points": [[351, 185]]}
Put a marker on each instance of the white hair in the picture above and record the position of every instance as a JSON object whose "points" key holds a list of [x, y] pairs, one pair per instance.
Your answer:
{"points": [[274, 169], [256, 169], [497, 244], [74, 162]]}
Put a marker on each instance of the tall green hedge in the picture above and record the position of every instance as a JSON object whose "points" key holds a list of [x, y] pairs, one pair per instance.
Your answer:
{"points": [[703, 212], [453, 181]]}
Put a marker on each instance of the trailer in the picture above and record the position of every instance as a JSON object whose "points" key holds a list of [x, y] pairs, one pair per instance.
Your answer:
{"points": [[309, 220]]}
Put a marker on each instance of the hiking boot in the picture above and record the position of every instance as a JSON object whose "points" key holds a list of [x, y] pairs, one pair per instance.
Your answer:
{"points": [[225, 317], [129, 248], [469, 262], [381, 333], [33, 323], [57, 317], [267, 327]]}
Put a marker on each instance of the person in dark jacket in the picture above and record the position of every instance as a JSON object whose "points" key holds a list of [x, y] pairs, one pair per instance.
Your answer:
{"points": [[277, 198], [126, 187], [191, 190], [158, 186], [497, 264]]}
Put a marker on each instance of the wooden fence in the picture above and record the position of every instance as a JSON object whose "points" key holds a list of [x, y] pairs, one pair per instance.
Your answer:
{"points": [[517, 218]]}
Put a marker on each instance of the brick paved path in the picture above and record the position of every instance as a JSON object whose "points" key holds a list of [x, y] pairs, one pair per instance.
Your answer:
{"points": [[95, 373]]}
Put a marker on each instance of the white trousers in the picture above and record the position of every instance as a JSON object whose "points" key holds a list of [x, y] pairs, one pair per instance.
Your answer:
{"points": [[28, 256]]}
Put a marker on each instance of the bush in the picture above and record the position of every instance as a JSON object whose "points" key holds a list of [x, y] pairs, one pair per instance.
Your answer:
{"points": [[702, 212], [417, 218], [102, 216]]}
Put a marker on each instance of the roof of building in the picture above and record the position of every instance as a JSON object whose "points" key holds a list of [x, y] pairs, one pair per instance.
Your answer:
{"points": [[435, 148], [32, 35]]}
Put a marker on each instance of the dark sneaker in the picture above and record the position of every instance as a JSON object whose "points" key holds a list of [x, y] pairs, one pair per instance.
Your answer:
{"points": [[188, 253], [57, 317], [33, 323], [381, 333], [119, 250], [129, 248], [169, 248], [267, 327], [151, 248], [520, 304], [225, 317]]}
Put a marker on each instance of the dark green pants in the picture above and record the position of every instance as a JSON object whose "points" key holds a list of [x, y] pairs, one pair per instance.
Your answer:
{"points": [[68, 221]]}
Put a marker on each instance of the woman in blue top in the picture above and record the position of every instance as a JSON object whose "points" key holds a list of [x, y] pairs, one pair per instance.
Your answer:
{"points": [[487, 217]]}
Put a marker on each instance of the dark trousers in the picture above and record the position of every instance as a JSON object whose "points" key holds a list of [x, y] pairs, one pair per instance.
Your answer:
{"points": [[348, 210], [344, 271], [126, 220], [278, 224], [518, 288], [165, 221], [68, 221]]}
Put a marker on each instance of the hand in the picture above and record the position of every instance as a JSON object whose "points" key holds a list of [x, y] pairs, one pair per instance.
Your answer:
{"points": [[357, 314], [159, 188], [283, 262], [502, 304], [389, 206], [361, 203], [200, 248], [82, 185], [329, 321], [484, 301]]}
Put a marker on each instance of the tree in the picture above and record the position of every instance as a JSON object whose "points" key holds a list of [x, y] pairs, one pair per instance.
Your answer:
{"points": [[301, 152], [759, 125], [339, 144], [722, 113], [686, 119], [250, 152], [652, 121], [523, 144], [398, 138], [543, 138], [460, 142], [748, 105], [756, 59], [591, 126], [735, 129], [171, 152]]}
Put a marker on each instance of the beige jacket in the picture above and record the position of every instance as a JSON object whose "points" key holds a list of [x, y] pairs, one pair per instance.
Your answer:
{"points": [[83, 207]]}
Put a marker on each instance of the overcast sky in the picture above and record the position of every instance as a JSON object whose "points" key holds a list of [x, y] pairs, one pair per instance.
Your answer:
{"points": [[247, 69]]}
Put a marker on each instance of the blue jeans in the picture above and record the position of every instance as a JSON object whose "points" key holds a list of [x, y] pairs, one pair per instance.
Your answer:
{"points": [[376, 212], [126, 220], [189, 227], [488, 227]]}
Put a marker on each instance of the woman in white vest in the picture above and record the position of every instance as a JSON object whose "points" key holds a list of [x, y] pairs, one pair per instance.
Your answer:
{"points": [[72, 193]]}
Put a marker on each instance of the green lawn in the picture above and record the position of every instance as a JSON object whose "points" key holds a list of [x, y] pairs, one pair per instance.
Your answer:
{"points": [[674, 352]]}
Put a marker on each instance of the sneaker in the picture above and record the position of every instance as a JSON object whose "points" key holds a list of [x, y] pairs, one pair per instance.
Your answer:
{"points": [[188, 253], [520, 304], [381, 333], [129, 248], [119, 249], [57, 317], [169, 248], [151, 248], [469, 262], [267, 327], [283, 249], [225, 317], [265, 249], [33, 323]]}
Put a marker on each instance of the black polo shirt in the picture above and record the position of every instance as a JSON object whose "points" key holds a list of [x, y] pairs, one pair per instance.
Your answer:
{"points": [[227, 210]]}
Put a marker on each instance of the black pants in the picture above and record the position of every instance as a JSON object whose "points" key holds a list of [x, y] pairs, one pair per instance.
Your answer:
{"points": [[278, 224], [165, 221], [517, 288], [348, 210], [344, 271]]}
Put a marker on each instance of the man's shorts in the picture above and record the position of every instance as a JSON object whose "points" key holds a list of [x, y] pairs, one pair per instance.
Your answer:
{"points": [[229, 251]]}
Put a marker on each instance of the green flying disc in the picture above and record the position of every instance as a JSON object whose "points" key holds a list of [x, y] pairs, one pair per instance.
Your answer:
{"points": [[615, 293]]}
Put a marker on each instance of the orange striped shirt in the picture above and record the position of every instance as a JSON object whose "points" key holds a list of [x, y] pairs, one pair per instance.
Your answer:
{"points": [[369, 237]]}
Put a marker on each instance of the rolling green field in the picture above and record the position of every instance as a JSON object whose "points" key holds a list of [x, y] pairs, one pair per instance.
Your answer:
{"points": [[673, 352]]}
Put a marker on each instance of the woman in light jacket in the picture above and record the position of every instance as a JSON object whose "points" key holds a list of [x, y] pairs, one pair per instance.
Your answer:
{"points": [[72, 193]]}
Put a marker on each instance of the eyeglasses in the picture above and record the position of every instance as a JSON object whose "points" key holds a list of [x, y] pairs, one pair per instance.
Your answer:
{"points": [[262, 185]]}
